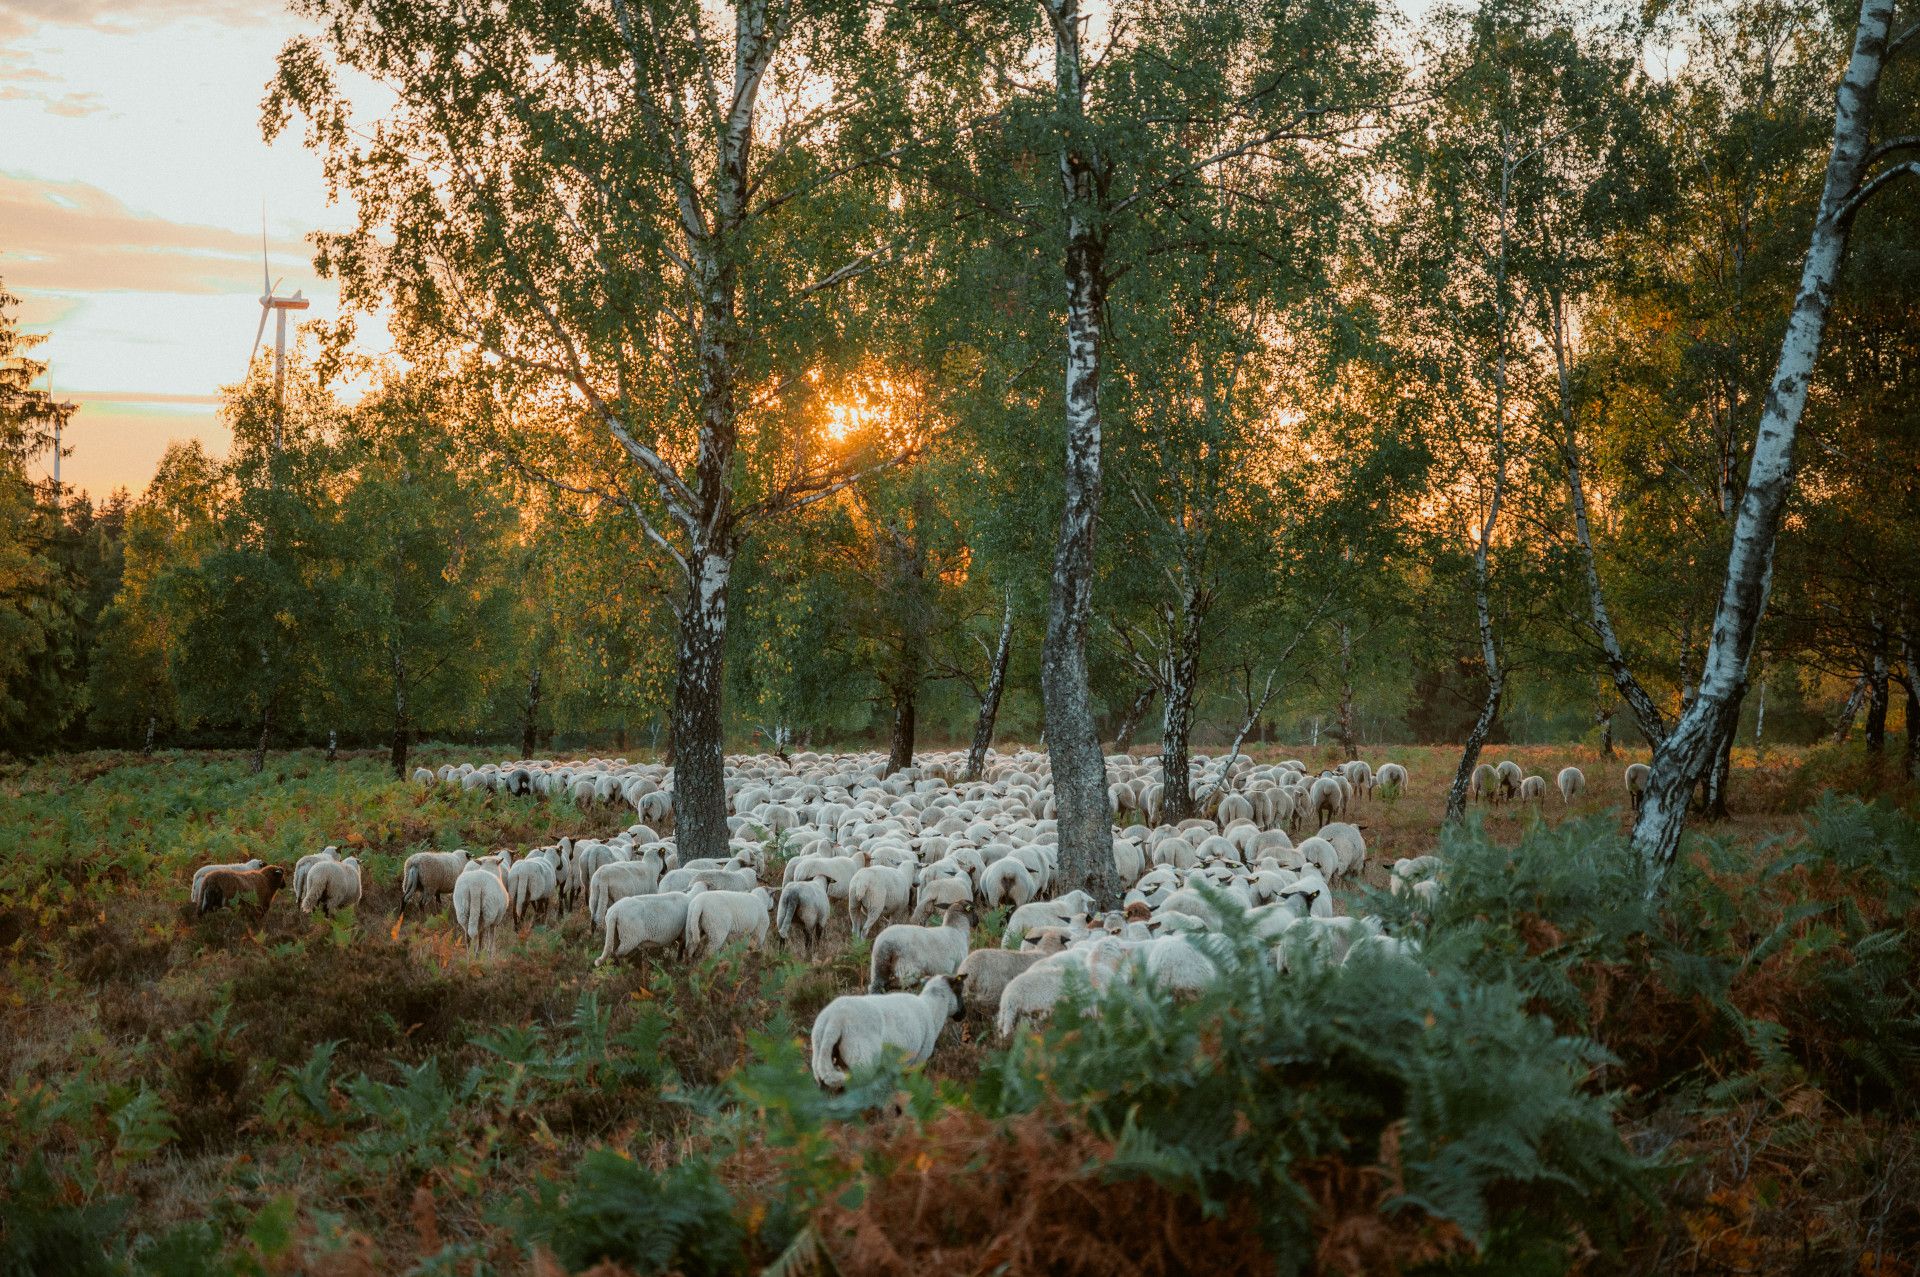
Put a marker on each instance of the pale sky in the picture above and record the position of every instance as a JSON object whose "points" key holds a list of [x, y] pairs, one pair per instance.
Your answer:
{"points": [[131, 179]]}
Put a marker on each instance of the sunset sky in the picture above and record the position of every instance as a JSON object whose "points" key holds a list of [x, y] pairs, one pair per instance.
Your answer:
{"points": [[131, 182]]}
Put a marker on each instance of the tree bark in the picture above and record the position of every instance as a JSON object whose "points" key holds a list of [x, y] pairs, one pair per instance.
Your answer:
{"points": [[699, 752], [1176, 731], [1689, 747], [530, 714], [1348, 746], [1606, 732], [900, 740], [1850, 711], [266, 730], [1911, 682], [990, 703], [153, 724], [1078, 767], [1876, 734], [1136, 713], [333, 745], [402, 742]]}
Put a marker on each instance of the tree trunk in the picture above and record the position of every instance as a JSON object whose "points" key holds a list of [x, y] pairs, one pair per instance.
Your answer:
{"points": [[1689, 747], [1606, 732], [402, 743], [333, 745], [153, 724], [266, 730], [1176, 730], [1850, 712], [990, 703], [699, 746], [1912, 684], [1719, 774], [1131, 720], [1877, 698], [1348, 746], [530, 714], [1073, 744], [900, 742]]}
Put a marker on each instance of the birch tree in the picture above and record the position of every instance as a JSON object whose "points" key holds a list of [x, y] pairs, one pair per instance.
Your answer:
{"points": [[1857, 170], [665, 210]]}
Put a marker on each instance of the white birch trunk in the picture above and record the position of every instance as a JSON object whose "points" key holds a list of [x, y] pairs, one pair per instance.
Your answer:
{"points": [[1689, 748]]}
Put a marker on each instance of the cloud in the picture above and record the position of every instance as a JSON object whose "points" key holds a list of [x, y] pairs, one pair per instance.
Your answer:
{"points": [[18, 16], [20, 81], [73, 237]]}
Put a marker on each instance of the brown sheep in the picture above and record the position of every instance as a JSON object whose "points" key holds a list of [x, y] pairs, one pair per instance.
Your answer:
{"points": [[225, 885]]}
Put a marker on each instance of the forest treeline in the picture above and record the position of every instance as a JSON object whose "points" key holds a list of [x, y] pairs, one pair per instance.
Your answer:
{"points": [[1408, 378]]}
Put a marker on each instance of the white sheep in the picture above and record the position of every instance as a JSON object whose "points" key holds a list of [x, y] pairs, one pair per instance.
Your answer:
{"points": [[432, 874], [1571, 780], [656, 921], [423, 777], [804, 905], [1533, 789], [332, 884], [303, 866], [716, 917], [1392, 774], [1635, 779], [942, 894], [985, 974], [853, 1030], [533, 883], [1347, 840], [480, 901], [1508, 775], [1485, 781], [879, 892], [906, 954], [1044, 913], [734, 880], [1326, 799], [619, 880]]}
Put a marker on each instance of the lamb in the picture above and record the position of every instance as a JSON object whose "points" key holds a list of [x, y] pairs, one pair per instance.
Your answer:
{"points": [[619, 880], [804, 905], [987, 972], [480, 902], [200, 875], [906, 954], [880, 891], [332, 884], [657, 921], [1571, 780], [303, 866], [1636, 777], [432, 874], [223, 885], [854, 1029], [1533, 789], [716, 917]]}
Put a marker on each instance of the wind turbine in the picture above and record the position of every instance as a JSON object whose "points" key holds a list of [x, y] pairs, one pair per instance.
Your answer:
{"points": [[271, 303]]}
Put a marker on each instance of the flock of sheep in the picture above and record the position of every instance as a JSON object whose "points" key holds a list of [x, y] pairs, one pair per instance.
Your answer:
{"points": [[911, 857]]}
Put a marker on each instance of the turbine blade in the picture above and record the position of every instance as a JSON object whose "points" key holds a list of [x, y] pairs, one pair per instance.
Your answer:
{"points": [[263, 243], [275, 290], [257, 333]]}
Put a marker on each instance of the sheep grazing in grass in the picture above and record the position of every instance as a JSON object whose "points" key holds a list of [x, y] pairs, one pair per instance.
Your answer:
{"points": [[1533, 789], [1044, 913], [716, 917], [804, 907], [1404, 873], [1571, 782], [1360, 775], [657, 921], [480, 901], [1326, 799], [1508, 776], [905, 954], [1007, 882], [423, 777], [332, 884], [942, 894], [1347, 840], [1635, 778], [223, 885], [303, 866], [201, 875], [1486, 781], [1391, 775], [430, 874], [986, 973], [853, 1030]]}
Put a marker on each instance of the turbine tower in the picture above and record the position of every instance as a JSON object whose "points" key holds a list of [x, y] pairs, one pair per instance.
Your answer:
{"points": [[271, 303]]}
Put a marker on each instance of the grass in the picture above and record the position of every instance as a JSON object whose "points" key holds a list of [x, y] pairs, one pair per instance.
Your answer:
{"points": [[360, 1091]]}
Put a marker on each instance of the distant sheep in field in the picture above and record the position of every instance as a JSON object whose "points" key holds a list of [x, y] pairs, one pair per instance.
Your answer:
{"points": [[480, 901], [332, 884], [1533, 789], [224, 885], [985, 974], [854, 1030], [1572, 780], [1326, 799], [423, 777], [1635, 779], [1392, 774], [1485, 783], [533, 884], [303, 866], [1508, 776]]}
